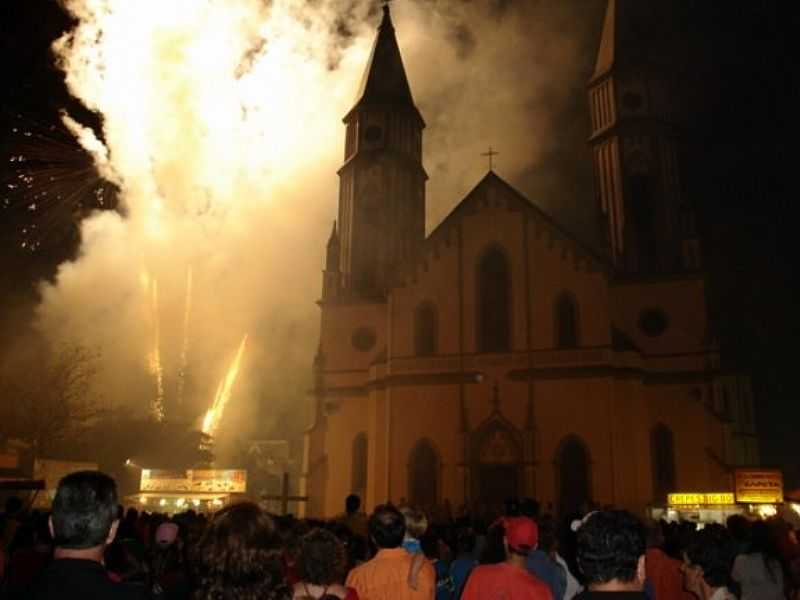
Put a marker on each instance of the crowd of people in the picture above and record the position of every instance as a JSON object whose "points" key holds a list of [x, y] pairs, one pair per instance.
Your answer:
{"points": [[88, 548]]}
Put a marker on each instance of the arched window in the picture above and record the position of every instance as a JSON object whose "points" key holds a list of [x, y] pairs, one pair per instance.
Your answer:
{"points": [[423, 480], [425, 330], [662, 449], [359, 472], [572, 469], [494, 302], [566, 321]]}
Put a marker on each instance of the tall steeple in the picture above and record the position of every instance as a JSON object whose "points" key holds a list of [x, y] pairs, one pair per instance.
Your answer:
{"points": [[384, 81], [636, 143], [382, 181]]}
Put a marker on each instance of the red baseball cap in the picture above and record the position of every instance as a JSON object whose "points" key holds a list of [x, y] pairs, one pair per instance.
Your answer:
{"points": [[521, 532]]}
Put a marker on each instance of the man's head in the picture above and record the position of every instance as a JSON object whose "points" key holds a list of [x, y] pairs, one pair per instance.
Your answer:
{"points": [[611, 547], [387, 526], [352, 503], [521, 535], [84, 511], [708, 559]]}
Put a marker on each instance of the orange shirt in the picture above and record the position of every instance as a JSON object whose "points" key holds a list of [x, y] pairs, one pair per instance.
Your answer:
{"points": [[504, 582], [385, 577], [665, 574]]}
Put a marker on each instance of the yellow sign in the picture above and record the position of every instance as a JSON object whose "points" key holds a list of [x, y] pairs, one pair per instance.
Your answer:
{"points": [[759, 486], [700, 499], [230, 481]]}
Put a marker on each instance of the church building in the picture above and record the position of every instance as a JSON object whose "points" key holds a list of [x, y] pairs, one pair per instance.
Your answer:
{"points": [[500, 356]]}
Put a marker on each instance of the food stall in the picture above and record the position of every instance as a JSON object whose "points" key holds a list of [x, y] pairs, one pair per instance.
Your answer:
{"points": [[174, 491]]}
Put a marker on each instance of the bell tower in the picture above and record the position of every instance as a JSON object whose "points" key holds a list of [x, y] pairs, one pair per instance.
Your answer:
{"points": [[382, 181], [635, 114]]}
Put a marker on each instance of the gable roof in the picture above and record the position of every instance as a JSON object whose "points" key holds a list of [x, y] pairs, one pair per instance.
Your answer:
{"points": [[475, 195]]}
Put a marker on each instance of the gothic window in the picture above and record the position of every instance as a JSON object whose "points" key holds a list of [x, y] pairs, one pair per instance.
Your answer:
{"points": [[573, 470], [494, 302], [425, 330], [423, 480], [359, 472], [566, 321], [662, 448]]}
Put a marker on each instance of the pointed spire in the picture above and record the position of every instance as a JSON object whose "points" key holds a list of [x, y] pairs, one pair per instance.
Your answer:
{"points": [[384, 80], [332, 255], [605, 54]]}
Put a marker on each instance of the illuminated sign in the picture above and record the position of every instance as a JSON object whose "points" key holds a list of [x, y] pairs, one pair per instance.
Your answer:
{"points": [[759, 486], [231, 481], [700, 499]]}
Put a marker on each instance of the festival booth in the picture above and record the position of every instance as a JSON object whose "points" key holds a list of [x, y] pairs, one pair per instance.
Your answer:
{"points": [[757, 493], [202, 490]]}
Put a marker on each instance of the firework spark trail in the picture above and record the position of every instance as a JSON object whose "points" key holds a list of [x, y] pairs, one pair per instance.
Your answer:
{"points": [[185, 347], [157, 406], [213, 417]]}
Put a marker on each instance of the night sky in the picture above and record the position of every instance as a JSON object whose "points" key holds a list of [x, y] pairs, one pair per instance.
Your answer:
{"points": [[737, 56]]}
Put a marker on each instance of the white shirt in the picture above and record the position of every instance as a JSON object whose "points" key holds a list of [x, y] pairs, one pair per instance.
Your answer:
{"points": [[573, 587], [758, 583]]}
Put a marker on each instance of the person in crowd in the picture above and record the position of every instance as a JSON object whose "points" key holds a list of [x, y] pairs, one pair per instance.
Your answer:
{"points": [[432, 550], [708, 559], [465, 560], [610, 548], [355, 520], [239, 557], [416, 526], [83, 524], [541, 559], [387, 574], [663, 572], [167, 569], [509, 579], [758, 571], [321, 565], [30, 555]]}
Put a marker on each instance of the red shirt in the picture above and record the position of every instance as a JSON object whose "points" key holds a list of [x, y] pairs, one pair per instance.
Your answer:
{"points": [[504, 582]]}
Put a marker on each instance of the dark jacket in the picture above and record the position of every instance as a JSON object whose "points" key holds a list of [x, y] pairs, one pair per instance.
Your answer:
{"points": [[72, 578]]}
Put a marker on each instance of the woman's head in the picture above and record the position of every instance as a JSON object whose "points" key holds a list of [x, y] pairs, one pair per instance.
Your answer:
{"points": [[322, 559], [239, 557]]}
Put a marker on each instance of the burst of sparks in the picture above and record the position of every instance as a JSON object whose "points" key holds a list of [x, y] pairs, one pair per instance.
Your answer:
{"points": [[185, 347], [157, 405], [50, 185], [213, 417]]}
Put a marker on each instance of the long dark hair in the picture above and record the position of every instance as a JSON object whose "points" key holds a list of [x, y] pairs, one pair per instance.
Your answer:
{"points": [[239, 557]]}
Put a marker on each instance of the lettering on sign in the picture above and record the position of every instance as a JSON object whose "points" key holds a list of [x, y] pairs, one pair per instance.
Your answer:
{"points": [[759, 486], [700, 499]]}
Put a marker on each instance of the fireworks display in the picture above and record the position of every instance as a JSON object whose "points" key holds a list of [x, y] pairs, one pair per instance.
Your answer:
{"points": [[214, 414]]}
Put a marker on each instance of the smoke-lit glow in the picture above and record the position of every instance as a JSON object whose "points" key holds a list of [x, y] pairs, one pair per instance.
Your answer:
{"points": [[214, 414], [221, 128]]}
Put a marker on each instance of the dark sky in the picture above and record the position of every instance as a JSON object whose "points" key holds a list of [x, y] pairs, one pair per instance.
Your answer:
{"points": [[743, 132]]}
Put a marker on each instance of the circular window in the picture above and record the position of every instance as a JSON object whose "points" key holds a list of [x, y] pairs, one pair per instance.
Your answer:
{"points": [[363, 339], [653, 322], [373, 134]]}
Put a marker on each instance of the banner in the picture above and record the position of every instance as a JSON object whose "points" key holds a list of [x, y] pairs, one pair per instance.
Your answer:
{"points": [[231, 481]]}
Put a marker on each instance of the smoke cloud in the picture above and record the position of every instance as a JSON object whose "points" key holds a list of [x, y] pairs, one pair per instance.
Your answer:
{"points": [[222, 127]]}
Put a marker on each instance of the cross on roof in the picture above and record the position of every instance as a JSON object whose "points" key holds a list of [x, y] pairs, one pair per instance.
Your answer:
{"points": [[491, 154]]}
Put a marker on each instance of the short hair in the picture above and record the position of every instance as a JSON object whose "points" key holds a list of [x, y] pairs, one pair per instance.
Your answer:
{"points": [[609, 546], [713, 550], [416, 521], [239, 556], [323, 559], [387, 526], [352, 503], [84, 509]]}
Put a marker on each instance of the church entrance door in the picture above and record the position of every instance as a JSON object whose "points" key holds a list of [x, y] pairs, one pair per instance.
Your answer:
{"points": [[497, 456]]}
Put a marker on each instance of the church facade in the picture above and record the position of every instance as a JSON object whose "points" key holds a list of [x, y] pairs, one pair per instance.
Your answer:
{"points": [[500, 356]]}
